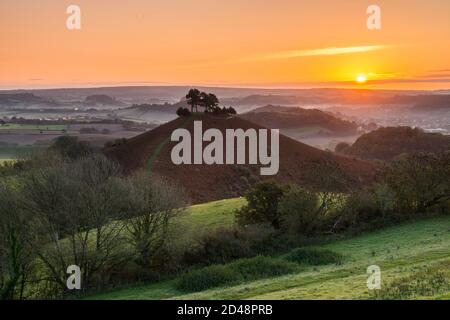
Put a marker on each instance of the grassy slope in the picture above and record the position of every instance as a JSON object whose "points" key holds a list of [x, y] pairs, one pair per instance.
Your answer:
{"points": [[399, 251], [5, 160], [200, 215], [10, 152]]}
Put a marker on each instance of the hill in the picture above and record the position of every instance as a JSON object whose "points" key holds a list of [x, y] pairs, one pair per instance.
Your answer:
{"points": [[290, 117], [387, 143], [101, 100], [152, 150], [13, 99], [402, 252]]}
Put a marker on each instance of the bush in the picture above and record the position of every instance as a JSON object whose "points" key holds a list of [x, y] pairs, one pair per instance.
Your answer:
{"points": [[420, 182], [299, 211], [206, 278], [115, 143], [224, 245], [263, 267], [183, 112], [262, 207], [314, 257], [366, 210], [243, 270], [70, 147]]}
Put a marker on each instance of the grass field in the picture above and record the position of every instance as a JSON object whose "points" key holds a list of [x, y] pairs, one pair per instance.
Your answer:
{"points": [[51, 127], [400, 251], [200, 215], [12, 152], [2, 161]]}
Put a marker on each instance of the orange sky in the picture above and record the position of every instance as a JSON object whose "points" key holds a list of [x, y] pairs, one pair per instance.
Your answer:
{"points": [[225, 42]]}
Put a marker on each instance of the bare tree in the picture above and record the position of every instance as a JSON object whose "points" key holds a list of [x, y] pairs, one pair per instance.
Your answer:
{"points": [[76, 208], [154, 203], [15, 257], [330, 182]]}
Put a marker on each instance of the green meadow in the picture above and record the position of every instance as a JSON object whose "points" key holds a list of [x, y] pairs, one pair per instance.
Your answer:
{"points": [[400, 251]]}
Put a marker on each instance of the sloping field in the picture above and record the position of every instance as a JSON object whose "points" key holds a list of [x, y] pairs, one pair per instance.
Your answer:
{"points": [[400, 251]]}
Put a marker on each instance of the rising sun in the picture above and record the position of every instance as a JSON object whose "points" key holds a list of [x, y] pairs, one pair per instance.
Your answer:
{"points": [[361, 78]]}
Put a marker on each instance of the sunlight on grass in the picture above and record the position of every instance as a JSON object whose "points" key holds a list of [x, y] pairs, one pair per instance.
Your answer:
{"points": [[399, 251]]}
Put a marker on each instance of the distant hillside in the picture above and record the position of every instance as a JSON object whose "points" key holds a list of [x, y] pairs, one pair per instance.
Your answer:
{"points": [[420, 99], [206, 183], [101, 99], [387, 143], [290, 117], [166, 107], [20, 98], [261, 100]]}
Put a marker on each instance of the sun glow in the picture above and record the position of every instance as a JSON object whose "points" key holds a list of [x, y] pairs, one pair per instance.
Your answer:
{"points": [[361, 78]]}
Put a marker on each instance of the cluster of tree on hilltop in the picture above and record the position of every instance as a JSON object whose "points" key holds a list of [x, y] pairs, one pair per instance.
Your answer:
{"points": [[390, 142], [208, 101]]}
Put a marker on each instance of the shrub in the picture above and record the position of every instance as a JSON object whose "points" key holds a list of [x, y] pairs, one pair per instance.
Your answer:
{"points": [[226, 244], [243, 270], [314, 257], [262, 207], [299, 212], [263, 267], [183, 112], [206, 278], [366, 210], [70, 147], [420, 181]]}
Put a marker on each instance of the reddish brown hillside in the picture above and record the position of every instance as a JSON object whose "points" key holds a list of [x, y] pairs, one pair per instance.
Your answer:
{"points": [[206, 183]]}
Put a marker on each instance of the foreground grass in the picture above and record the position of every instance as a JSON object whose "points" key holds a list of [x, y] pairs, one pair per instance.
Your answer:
{"points": [[2, 161], [200, 215], [13, 152], [400, 251]]}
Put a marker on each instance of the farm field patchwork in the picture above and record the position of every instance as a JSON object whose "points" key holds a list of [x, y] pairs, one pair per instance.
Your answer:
{"points": [[13, 152], [47, 127]]}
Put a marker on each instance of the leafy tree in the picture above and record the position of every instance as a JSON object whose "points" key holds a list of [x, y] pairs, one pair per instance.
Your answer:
{"points": [[420, 181], [262, 205], [209, 101], [70, 147], [193, 98], [183, 112], [231, 110], [299, 210]]}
